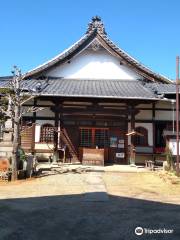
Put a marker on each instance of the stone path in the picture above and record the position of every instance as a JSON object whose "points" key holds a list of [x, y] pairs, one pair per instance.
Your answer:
{"points": [[95, 189]]}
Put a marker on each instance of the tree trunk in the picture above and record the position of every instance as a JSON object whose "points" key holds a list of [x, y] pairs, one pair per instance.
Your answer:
{"points": [[16, 143]]}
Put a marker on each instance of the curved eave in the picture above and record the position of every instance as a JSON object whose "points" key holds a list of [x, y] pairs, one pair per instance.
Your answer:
{"points": [[60, 58], [96, 96], [110, 46], [132, 62]]}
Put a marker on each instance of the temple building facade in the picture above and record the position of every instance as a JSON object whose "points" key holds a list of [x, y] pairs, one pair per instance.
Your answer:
{"points": [[99, 105]]}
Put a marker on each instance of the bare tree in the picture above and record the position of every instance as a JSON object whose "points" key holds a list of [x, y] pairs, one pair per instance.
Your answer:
{"points": [[15, 95]]}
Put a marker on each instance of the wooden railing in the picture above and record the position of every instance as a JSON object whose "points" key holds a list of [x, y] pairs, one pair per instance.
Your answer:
{"points": [[67, 141]]}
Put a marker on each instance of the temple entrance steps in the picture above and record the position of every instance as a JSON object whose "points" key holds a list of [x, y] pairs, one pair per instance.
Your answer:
{"points": [[68, 143]]}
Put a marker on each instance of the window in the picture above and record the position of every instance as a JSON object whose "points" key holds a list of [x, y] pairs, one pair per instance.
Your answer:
{"points": [[141, 140], [86, 137], [92, 137], [47, 133], [101, 138]]}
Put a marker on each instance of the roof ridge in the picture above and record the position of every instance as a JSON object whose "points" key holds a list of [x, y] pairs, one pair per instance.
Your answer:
{"points": [[96, 24], [93, 79]]}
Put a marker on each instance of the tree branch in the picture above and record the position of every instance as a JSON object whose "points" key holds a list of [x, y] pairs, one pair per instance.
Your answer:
{"points": [[30, 110], [31, 97]]}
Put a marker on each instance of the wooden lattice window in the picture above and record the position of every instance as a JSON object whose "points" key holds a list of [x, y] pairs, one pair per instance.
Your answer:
{"points": [[141, 140], [47, 133], [101, 139], [85, 137], [94, 137]]}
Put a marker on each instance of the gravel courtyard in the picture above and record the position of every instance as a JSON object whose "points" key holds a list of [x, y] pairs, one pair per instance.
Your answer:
{"points": [[55, 207]]}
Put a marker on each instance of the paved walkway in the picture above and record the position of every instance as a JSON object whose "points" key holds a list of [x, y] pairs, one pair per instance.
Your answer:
{"points": [[95, 189]]}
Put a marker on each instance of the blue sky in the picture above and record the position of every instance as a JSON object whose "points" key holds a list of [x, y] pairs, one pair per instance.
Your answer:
{"points": [[32, 32]]}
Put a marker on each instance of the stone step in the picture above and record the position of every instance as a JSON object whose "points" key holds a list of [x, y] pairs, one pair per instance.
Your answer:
{"points": [[5, 148], [4, 154], [5, 144]]}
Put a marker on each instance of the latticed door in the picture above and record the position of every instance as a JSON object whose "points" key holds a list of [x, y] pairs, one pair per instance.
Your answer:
{"points": [[94, 137]]}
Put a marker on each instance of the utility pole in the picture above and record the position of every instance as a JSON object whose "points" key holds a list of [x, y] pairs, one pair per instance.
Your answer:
{"points": [[177, 113]]}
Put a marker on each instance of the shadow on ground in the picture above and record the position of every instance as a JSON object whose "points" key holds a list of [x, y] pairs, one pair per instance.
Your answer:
{"points": [[70, 217]]}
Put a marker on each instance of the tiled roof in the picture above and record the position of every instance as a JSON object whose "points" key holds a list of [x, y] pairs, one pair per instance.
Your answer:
{"points": [[95, 88], [161, 88], [4, 81], [119, 89]]}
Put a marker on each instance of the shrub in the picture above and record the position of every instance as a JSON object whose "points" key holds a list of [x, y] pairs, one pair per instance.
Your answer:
{"points": [[170, 161]]}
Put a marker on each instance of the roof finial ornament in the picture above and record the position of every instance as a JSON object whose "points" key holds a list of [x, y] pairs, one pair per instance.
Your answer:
{"points": [[97, 24]]}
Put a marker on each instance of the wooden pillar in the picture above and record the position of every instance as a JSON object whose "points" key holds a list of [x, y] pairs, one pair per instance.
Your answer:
{"points": [[126, 137], [34, 113], [153, 125], [132, 148], [33, 128], [56, 124]]}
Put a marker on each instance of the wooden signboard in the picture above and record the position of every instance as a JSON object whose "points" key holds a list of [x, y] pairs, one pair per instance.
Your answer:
{"points": [[93, 156]]}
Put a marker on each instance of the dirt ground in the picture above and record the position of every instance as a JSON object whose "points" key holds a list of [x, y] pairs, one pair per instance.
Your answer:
{"points": [[53, 207], [148, 186]]}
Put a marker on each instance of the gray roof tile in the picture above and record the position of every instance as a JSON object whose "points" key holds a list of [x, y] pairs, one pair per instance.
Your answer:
{"points": [[161, 88], [94, 88]]}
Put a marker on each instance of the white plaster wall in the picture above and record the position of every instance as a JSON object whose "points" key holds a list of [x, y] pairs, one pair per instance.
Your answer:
{"points": [[42, 122], [148, 126], [144, 115], [43, 102], [29, 114], [46, 112], [37, 133], [164, 115], [94, 65], [30, 102], [164, 104], [144, 106]]}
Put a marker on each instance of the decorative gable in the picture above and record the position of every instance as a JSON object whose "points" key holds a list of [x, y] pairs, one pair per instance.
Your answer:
{"points": [[95, 56], [94, 62]]}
